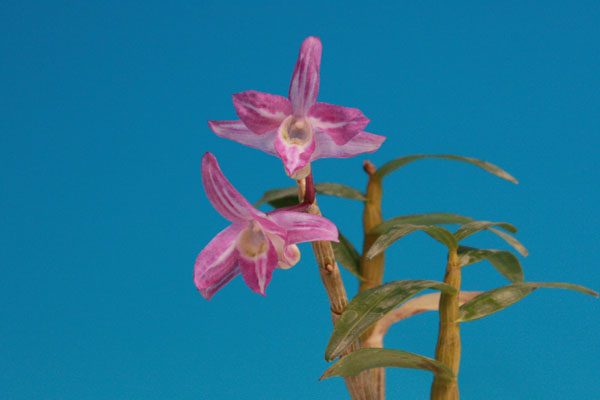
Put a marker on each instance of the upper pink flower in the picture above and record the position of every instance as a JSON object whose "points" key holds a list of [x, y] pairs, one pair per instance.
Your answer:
{"points": [[298, 130], [255, 243]]}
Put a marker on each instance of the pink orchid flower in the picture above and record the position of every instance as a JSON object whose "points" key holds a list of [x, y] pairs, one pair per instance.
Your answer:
{"points": [[255, 243], [298, 130]]}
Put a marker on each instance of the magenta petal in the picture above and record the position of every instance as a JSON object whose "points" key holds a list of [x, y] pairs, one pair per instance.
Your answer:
{"points": [[363, 142], [223, 196], [303, 227], [341, 123], [261, 112], [257, 271], [270, 226], [217, 262], [295, 156], [238, 132], [210, 291], [304, 86]]}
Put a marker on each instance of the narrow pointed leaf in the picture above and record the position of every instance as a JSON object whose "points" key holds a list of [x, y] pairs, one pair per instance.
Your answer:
{"points": [[339, 190], [347, 256], [277, 195], [423, 219], [289, 196], [396, 232], [363, 359], [393, 165], [512, 241], [446, 219], [504, 261], [497, 299], [369, 306], [475, 226]]}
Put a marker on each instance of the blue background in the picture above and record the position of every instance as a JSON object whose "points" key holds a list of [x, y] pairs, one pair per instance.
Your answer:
{"points": [[103, 110]]}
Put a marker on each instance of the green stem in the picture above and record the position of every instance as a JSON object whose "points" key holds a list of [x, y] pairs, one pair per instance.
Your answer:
{"points": [[448, 346], [371, 271]]}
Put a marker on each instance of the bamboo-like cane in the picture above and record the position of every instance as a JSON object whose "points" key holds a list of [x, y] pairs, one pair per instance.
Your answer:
{"points": [[371, 270], [448, 345]]}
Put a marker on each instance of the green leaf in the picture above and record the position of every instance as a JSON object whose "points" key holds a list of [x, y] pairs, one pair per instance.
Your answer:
{"points": [[444, 219], [504, 261], [497, 299], [290, 194], [473, 227], [393, 165], [284, 202], [339, 190], [395, 232], [512, 241], [347, 255], [363, 359], [422, 219], [277, 195], [369, 306]]}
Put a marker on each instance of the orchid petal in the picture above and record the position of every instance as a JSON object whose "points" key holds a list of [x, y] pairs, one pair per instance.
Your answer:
{"points": [[303, 227], [341, 123], [238, 132], [304, 86], [217, 262], [258, 270], [295, 154], [223, 196], [210, 291], [270, 226], [261, 112], [363, 142]]}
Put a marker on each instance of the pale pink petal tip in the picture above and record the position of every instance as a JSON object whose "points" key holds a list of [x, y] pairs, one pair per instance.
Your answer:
{"points": [[238, 132]]}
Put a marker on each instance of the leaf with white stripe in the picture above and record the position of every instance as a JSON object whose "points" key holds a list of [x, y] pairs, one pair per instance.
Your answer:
{"points": [[497, 299], [369, 306], [364, 359]]}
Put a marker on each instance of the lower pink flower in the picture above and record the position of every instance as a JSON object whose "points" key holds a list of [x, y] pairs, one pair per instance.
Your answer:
{"points": [[255, 243]]}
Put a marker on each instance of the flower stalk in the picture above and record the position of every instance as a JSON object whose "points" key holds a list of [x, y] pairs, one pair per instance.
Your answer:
{"points": [[448, 345], [360, 387], [372, 270]]}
